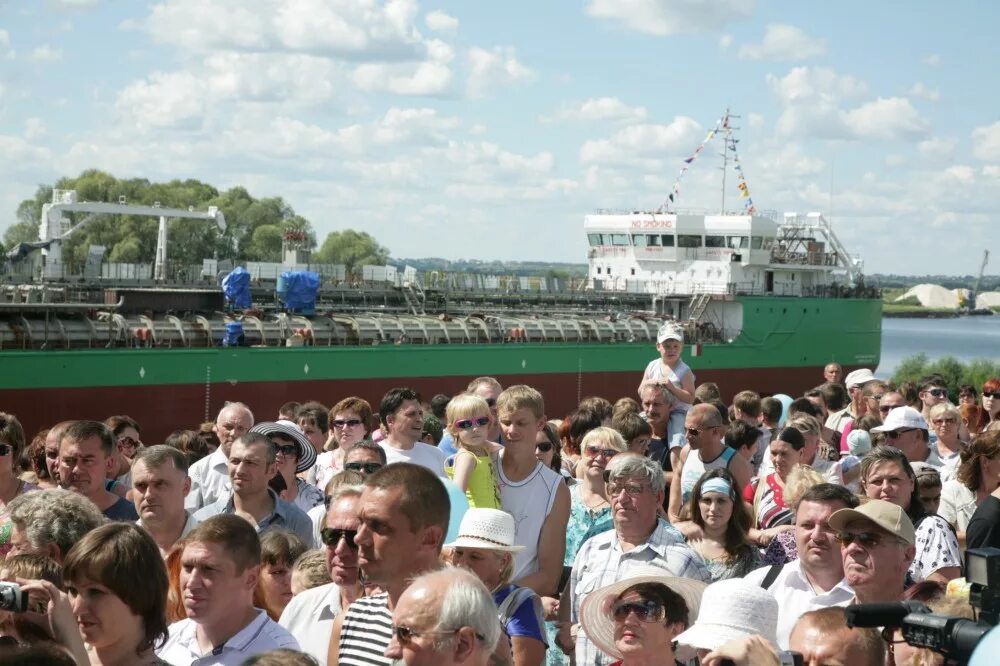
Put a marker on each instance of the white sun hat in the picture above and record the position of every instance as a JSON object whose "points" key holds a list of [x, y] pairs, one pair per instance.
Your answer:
{"points": [[596, 610], [491, 529], [902, 417], [669, 331], [731, 609]]}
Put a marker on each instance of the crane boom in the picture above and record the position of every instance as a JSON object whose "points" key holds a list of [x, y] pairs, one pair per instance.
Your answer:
{"points": [[64, 201], [979, 278]]}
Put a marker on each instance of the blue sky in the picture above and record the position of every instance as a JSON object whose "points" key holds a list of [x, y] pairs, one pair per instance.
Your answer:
{"points": [[487, 130]]}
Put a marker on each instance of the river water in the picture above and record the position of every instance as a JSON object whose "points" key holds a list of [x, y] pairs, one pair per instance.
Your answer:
{"points": [[965, 338]]}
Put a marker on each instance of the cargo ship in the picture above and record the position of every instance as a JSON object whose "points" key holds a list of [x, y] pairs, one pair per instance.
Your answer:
{"points": [[765, 302]]}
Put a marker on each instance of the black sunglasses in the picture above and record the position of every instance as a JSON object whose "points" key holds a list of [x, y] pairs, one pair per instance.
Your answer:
{"points": [[287, 449], [366, 467], [893, 434], [350, 423], [544, 447], [331, 537], [5, 449], [991, 394], [938, 392]]}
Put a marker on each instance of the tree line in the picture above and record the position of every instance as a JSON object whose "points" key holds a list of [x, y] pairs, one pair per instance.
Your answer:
{"points": [[255, 227]]}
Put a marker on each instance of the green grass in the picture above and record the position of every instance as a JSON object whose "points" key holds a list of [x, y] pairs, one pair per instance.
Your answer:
{"points": [[908, 308]]}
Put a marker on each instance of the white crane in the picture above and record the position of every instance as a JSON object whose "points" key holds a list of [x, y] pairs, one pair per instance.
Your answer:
{"points": [[64, 201]]}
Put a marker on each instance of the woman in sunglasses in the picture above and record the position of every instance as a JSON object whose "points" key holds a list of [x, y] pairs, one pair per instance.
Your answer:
{"points": [[887, 475], [635, 620], [991, 399], [11, 446], [547, 449], [720, 512], [946, 422], [349, 423], [472, 468]]}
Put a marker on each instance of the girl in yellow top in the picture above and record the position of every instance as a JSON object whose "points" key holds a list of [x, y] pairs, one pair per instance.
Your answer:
{"points": [[473, 467]]}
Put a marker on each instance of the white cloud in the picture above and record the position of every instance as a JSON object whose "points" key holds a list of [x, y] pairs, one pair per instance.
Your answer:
{"points": [[438, 21], [426, 78], [725, 42], [165, 100], [784, 42], [21, 155], [33, 128], [932, 59], [492, 69], [921, 91], [937, 148], [601, 108], [658, 17], [643, 141], [755, 121], [986, 142], [815, 83], [45, 53], [886, 118]]}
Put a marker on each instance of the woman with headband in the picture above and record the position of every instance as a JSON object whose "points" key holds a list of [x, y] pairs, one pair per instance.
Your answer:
{"points": [[720, 512]]}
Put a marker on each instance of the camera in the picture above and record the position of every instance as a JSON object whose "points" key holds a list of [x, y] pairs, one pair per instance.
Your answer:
{"points": [[955, 638], [12, 599]]}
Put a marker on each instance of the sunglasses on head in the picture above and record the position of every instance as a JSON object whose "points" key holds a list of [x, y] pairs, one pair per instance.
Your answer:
{"points": [[348, 423], [544, 447], [366, 467], [646, 611], [332, 536], [893, 434], [469, 424]]}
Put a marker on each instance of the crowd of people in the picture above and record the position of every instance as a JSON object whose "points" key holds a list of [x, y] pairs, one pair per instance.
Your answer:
{"points": [[669, 527]]}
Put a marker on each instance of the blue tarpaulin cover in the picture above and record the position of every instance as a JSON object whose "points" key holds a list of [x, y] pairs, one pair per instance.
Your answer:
{"points": [[299, 289], [236, 287]]}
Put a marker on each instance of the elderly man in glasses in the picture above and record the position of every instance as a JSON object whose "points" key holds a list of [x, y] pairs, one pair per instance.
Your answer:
{"points": [[444, 618], [635, 489], [310, 615], [877, 547], [907, 430]]}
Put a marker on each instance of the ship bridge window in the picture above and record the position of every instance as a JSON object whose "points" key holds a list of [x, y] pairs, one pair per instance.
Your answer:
{"points": [[668, 240], [595, 240], [688, 240], [738, 242], [715, 241], [639, 240], [755, 242], [619, 239]]}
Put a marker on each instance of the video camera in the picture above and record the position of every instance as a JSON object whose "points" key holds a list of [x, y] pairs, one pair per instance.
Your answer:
{"points": [[956, 638]]}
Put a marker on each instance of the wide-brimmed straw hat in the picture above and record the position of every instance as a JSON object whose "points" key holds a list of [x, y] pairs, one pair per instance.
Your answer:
{"points": [[731, 609], [307, 454], [596, 610], [491, 529]]}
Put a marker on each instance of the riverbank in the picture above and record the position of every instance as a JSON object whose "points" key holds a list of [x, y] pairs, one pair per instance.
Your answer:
{"points": [[964, 338]]}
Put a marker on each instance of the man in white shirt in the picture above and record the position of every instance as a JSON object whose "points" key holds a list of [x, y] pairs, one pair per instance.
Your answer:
{"points": [[402, 418], [816, 579], [210, 475], [160, 482], [310, 615], [220, 567]]}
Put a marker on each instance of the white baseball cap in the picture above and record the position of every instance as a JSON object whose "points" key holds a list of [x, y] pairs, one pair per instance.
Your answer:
{"points": [[902, 417], [859, 378], [669, 331]]}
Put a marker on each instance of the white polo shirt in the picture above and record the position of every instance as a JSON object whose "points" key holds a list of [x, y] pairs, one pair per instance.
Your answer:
{"points": [[796, 596], [309, 617], [261, 635], [209, 481]]}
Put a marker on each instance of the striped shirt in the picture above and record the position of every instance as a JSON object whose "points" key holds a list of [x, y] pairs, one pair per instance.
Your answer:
{"points": [[366, 632]]}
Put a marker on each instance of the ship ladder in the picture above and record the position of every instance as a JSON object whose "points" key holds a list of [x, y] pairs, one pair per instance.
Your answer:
{"points": [[699, 303]]}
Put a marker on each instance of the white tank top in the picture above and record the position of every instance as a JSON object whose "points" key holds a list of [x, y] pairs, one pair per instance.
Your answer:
{"points": [[523, 500], [694, 467], [658, 371]]}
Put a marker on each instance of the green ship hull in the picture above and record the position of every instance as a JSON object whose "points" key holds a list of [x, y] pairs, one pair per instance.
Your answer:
{"points": [[782, 347]]}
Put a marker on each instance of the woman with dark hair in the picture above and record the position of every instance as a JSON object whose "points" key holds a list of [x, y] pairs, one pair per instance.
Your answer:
{"points": [[572, 431], [349, 422], [977, 476], [547, 449], [278, 551], [116, 591], [717, 508], [33, 462], [991, 399], [128, 442], [771, 514], [887, 475], [11, 485]]}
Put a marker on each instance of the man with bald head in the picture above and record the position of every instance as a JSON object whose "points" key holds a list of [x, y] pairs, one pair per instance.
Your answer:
{"points": [[444, 618], [210, 475], [705, 450]]}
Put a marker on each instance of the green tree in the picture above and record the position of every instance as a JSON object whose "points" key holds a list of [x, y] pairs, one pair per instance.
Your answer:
{"points": [[351, 248], [954, 372]]}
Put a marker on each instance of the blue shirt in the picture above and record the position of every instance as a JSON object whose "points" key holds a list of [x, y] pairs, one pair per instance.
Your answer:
{"points": [[524, 621], [285, 516]]}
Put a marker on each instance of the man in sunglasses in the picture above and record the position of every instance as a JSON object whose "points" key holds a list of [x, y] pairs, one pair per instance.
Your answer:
{"points": [[857, 407], [877, 547], [402, 417], [310, 615], [444, 618], [907, 430], [365, 457], [932, 391], [489, 389]]}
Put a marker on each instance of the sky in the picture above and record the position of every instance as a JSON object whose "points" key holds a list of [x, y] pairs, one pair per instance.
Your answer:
{"points": [[487, 130]]}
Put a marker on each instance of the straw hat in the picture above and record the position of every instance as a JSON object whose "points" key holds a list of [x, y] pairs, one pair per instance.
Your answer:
{"points": [[491, 529], [732, 609], [595, 612], [307, 454]]}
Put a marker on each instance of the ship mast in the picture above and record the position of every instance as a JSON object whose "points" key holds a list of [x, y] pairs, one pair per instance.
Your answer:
{"points": [[728, 143]]}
